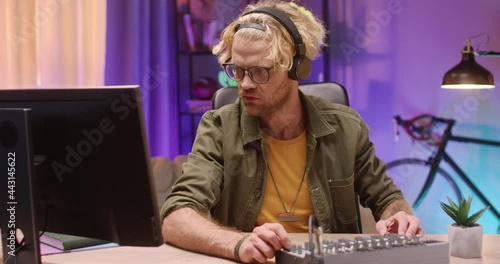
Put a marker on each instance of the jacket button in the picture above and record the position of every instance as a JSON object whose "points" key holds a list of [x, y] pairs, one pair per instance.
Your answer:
{"points": [[257, 193]]}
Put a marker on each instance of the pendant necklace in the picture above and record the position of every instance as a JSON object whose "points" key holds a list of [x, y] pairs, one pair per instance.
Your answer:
{"points": [[287, 216]]}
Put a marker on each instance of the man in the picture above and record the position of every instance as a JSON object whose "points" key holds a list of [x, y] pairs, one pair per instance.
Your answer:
{"points": [[276, 156]]}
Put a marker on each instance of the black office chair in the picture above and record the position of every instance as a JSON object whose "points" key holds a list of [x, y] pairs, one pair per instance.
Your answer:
{"points": [[330, 91]]}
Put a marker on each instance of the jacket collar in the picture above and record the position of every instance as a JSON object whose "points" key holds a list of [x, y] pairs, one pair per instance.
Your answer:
{"points": [[317, 126]]}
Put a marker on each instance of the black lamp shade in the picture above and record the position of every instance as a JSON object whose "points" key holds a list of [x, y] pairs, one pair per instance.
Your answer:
{"points": [[468, 74]]}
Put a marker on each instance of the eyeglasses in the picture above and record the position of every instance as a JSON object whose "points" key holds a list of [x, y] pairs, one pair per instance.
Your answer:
{"points": [[257, 74]]}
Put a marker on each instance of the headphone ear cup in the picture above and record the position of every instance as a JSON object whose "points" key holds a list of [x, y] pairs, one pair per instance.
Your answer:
{"points": [[301, 68]]}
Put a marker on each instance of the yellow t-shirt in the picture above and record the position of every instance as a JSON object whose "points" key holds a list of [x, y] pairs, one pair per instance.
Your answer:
{"points": [[287, 162]]}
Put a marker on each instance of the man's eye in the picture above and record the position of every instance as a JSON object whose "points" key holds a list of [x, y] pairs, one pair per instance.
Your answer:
{"points": [[259, 71]]}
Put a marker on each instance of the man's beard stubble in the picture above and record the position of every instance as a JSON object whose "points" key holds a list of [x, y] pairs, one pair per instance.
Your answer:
{"points": [[272, 102]]}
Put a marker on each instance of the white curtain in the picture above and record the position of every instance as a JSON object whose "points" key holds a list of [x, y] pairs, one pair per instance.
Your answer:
{"points": [[52, 43]]}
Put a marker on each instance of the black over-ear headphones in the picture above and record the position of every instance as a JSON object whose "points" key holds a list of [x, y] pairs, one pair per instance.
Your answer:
{"points": [[301, 67]]}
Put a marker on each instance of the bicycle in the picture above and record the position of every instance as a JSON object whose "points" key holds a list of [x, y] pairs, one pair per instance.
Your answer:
{"points": [[404, 172]]}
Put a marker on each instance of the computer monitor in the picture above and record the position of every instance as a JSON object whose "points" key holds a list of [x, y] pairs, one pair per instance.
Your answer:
{"points": [[90, 173]]}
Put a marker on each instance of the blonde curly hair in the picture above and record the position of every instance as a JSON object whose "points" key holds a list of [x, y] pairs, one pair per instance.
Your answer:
{"points": [[282, 48]]}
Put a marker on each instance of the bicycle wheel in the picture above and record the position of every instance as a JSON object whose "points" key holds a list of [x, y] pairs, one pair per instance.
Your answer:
{"points": [[410, 175]]}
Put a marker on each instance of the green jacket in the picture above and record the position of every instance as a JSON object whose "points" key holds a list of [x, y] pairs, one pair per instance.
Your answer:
{"points": [[225, 173]]}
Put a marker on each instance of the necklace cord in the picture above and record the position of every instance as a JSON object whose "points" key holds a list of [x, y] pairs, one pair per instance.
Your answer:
{"points": [[279, 194]]}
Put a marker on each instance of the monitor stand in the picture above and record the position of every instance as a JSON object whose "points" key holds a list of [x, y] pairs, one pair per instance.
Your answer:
{"points": [[17, 206]]}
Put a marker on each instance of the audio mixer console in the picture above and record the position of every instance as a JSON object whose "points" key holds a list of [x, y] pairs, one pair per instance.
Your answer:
{"points": [[375, 249]]}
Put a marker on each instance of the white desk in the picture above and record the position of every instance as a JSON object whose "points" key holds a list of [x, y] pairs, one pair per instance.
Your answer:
{"points": [[168, 254]]}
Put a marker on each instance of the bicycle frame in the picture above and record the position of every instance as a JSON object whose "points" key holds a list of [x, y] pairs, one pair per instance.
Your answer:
{"points": [[441, 154]]}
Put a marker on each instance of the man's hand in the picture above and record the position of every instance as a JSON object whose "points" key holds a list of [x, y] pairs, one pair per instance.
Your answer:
{"points": [[400, 223], [261, 244]]}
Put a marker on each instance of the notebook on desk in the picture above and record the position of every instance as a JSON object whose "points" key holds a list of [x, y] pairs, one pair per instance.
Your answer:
{"points": [[49, 250], [68, 242]]}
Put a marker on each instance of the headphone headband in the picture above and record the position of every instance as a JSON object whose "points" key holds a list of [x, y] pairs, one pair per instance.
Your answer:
{"points": [[284, 20]]}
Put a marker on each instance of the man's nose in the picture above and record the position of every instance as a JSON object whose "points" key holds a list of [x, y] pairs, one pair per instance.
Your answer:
{"points": [[246, 82]]}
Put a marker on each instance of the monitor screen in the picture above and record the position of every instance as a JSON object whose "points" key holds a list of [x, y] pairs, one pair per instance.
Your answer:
{"points": [[92, 174]]}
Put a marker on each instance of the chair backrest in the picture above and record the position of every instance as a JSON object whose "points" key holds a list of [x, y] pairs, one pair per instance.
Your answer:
{"points": [[330, 91]]}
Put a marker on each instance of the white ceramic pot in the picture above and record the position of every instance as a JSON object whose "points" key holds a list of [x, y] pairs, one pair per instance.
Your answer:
{"points": [[465, 242]]}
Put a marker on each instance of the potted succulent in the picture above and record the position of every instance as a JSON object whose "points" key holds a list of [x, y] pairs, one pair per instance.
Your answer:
{"points": [[465, 235]]}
